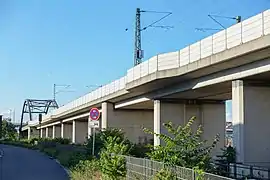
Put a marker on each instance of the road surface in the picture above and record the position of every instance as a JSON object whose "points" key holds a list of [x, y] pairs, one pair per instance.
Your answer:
{"points": [[23, 164]]}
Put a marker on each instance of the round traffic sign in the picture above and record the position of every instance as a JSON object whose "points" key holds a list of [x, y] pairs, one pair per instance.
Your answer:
{"points": [[94, 114]]}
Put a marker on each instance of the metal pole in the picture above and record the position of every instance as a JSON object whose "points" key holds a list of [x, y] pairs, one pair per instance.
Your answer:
{"points": [[137, 51], [1, 119], [94, 137]]}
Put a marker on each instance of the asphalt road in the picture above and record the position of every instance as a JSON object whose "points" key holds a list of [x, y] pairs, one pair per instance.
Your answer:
{"points": [[23, 164]]}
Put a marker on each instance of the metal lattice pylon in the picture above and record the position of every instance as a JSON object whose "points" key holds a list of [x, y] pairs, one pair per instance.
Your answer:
{"points": [[36, 106]]}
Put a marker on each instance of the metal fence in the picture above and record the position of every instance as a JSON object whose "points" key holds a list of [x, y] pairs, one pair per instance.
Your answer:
{"points": [[144, 169]]}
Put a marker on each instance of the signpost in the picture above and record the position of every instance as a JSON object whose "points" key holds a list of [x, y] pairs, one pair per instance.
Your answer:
{"points": [[94, 123]]}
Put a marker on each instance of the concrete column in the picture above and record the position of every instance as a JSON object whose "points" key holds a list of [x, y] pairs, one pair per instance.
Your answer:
{"points": [[250, 115], [41, 132], [157, 121], [107, 112], [73, 131], [208, 115], [238, 118], [53, 131], [28, 133], [47, 132], [130, 121], [44, 133], [62, 130]]}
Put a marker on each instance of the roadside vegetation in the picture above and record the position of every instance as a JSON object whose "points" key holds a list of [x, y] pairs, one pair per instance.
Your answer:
{"points": [[180, 147]]}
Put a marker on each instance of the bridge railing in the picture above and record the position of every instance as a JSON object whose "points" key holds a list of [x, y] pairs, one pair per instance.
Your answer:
{"points": [[247, 30], [235, 35]]}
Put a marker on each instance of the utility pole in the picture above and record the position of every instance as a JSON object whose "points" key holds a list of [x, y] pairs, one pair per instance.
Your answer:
{"points": [[138, 52], [138, 48]]}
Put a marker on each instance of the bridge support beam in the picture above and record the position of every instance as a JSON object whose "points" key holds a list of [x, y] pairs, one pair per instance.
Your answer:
{"points": [[130, 121], [250, 115], [208, 115]]}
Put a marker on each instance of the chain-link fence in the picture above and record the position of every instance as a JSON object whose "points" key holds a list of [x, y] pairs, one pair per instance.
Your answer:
{"points": [[144, 169]]}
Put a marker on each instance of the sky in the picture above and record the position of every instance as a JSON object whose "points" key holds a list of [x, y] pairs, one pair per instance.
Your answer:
{"points": [[84, 43]]}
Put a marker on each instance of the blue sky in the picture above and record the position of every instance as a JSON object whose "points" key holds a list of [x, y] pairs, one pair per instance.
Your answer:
{"points": [[84, 42]]}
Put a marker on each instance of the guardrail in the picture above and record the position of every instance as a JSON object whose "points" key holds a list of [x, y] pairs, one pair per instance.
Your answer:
{"points": [[235, 35], [243, 32]]}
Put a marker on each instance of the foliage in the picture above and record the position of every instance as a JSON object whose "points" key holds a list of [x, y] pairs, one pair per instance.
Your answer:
{"points": [[9, 131], [52, 152], [183, 147], [222, 163], [62, 140], [139, 150], [111, 160], [165, 174], [199, 173], [101, 137], [86, 170]]}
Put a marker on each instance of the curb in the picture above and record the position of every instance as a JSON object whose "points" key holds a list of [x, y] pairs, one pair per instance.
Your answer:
{"points": [[67, 171]]}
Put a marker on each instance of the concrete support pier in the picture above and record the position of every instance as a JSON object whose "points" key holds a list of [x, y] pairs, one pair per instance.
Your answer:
{"points": [[130, 120], [79, 131], [208, 114], [250, 115], [66, 131]]}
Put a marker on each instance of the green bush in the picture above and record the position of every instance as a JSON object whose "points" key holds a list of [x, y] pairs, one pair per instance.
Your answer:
{"points": [[139, 150], [70, 159], [183, 147], [62, 140], [52, 152], [101, 137], [112, 162], [86, 170], [165, 174]]}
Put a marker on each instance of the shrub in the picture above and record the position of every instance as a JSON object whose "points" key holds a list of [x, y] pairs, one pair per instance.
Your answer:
{"points": [[101, 138], [86, 170], [139, 150], [112, 162], [70, 158], [62, 140], [183, 147], [52, 152], [165, 174]]}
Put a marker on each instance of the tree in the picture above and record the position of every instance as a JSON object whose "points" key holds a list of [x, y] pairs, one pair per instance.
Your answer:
{"points": [[8, 130], [183, 147]]}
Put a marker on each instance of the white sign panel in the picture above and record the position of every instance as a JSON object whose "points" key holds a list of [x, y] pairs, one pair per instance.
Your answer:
{"points": [[93, 124]]}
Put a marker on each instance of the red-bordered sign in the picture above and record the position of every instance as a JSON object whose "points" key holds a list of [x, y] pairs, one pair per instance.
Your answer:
{"points": [[94, 114]]}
